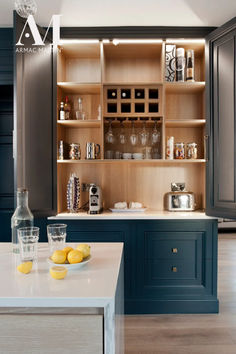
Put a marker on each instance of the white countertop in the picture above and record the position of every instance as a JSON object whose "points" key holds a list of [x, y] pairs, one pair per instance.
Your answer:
{"points": [[93, 285], [147, 215]]}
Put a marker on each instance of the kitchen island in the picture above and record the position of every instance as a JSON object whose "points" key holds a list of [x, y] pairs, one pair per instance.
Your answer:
{"points": [[82, 313]]}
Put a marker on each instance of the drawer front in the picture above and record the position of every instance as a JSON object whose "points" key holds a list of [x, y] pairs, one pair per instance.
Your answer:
{"points": [[159, 270], [173, 246]]}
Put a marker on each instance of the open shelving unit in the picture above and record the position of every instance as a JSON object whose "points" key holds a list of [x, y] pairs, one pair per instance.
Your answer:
{"points": [[91, 71]]}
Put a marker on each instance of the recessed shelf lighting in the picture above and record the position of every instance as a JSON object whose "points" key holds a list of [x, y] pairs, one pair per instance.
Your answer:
{"points": [[197, 41], [78, 41], [133, 41]]}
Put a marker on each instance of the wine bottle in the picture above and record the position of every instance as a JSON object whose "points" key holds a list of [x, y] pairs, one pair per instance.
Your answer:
{"points": [[62, 111], [67, 108], [190, 65], [112, 94], [139, 93]]}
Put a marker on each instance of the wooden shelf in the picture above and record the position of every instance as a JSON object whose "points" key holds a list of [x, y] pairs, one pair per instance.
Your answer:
{"points": [[185, 123], [91, 123], [184, 87], [152, 161], [80, 88], [131, 83]]}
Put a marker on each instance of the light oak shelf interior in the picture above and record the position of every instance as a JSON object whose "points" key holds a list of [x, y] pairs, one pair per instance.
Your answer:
{"points": [[92, 123], [185, 123], [86, 71], [80, 88], [133, 161], [184, 87]]}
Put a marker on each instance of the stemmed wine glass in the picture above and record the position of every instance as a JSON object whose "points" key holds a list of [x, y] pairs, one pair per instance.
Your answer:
{"points": [[155, 135], [122, 136], [110, 137], [143, 135], [133, 136]]}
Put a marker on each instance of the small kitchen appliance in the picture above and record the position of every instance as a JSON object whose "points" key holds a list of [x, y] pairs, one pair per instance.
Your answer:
{"points": [[179, 199], [95, 199]]}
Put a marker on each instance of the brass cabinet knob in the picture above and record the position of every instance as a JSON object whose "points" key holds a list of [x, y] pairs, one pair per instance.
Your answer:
{"points": [[174, 250], [174, 269]]}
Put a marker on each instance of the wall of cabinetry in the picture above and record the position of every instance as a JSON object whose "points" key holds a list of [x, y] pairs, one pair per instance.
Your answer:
{"points": [[110, 76], [6, 127]]}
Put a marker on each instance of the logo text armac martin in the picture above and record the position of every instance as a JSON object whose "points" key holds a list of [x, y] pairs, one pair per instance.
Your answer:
{"points": [[38, 43]]}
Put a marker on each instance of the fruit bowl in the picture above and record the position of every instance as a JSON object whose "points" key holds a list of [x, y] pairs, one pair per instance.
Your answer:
{"points": [[71, 266]]}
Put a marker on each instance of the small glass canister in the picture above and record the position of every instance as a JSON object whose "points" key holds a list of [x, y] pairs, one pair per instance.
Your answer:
{"points": [[75, 153], [179, 151], [191, 151]]}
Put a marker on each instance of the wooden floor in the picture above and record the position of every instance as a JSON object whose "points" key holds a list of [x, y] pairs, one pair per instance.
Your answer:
{"points": [[192, 334]]}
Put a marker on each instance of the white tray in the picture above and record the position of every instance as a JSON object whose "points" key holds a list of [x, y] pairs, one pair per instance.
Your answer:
{"points": [[137, 210]]}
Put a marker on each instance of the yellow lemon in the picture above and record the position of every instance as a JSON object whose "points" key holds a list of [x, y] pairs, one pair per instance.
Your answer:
{"points": [[58, 272], [84, 248], [59, 257], [25, 267], [75, 256], [67, 249]]}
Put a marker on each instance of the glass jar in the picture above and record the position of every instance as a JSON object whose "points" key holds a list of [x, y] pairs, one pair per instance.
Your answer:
{"points": [[179, 151], [75, 153], [191, 152], [22, 217]]}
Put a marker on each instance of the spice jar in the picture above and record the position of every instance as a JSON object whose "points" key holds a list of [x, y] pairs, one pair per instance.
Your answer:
{"points": [[170, 148], [75, 153], [191, 152], [179, 151]]}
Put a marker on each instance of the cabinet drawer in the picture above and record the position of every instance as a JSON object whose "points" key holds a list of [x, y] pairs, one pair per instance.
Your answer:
{"points": [[173, 246], [168, 270]]}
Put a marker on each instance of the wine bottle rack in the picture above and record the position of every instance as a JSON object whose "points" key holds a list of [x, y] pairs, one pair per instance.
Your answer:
{"points": [[130, 101]]}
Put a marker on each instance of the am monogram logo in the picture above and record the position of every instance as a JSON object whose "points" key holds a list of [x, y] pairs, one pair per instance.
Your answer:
{"points": [[38, 41]]}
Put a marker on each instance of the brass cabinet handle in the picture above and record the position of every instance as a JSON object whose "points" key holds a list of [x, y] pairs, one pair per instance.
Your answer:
{"points": [[174, 269], [174, 250]]}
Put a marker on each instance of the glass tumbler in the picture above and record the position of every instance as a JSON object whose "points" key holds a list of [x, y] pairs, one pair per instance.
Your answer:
{"points": [[28, 241], [56, 236]]}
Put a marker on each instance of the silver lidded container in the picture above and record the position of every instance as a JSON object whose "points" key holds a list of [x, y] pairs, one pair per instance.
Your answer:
{"points": [[179, 199]]}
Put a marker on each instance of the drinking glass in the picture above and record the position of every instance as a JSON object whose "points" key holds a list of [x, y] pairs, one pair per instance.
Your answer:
{"points": [[110, 137], [143, 135], [122, 136], [56, 236], [28, 241], [155, 135], [133, 136]]}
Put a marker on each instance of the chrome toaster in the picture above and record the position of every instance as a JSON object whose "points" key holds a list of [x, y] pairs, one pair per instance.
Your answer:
{"points": [[179, 199]]}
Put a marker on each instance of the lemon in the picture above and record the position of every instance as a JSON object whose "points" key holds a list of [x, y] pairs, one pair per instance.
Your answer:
{"points": [[25, 267], [75, 256], [67, 249], [59, 257], [84, 248], [58, 272]]}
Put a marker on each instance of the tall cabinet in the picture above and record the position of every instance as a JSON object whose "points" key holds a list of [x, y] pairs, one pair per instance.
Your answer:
{"points": [[125, 82]]}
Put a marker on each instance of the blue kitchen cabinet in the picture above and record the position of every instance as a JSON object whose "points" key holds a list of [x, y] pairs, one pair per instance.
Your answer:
{"points": [[170, 266], [176, 267]]}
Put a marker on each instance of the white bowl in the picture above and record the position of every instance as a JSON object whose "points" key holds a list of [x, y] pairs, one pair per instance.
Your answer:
{"points": [[137, 156], [127, 155], [70, 266]]}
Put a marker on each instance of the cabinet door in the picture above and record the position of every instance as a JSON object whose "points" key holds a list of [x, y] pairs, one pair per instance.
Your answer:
{"points": [[34, 130], [221, 121]]}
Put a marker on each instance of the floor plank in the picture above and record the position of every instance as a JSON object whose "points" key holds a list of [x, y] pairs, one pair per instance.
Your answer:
{"points": [[192, 334]]}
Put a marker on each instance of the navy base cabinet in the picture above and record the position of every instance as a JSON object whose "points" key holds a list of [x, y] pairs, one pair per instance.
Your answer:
{"points": [[170, 265]]}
